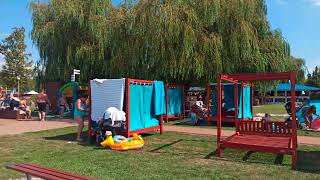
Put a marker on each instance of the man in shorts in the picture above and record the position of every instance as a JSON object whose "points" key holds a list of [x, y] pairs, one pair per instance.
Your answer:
{"points": [[42, 101]]}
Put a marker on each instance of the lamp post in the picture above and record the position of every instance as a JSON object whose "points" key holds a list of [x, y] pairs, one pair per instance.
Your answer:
{"points": [[18, 78]]}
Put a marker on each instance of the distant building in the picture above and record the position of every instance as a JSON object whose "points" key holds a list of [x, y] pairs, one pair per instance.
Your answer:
{"points": [[282, 94]]}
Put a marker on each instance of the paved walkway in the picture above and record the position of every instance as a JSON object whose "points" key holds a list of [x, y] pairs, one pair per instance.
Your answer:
{"points": [[12, 126], [211, 131]]}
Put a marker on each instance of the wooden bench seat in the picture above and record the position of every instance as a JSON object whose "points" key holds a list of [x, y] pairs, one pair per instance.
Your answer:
{"points": [[8, 114], [45, 173]]}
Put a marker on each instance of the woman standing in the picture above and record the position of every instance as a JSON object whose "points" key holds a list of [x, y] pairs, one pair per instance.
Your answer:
{"points": [[80, 112]]}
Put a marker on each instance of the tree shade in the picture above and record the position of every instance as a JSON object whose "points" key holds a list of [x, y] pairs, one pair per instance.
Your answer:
{"points": [[183, 41]]}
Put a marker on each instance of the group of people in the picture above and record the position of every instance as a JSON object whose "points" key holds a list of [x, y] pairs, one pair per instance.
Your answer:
{"points": [[80, 111], [198, 111], [23, 104]]}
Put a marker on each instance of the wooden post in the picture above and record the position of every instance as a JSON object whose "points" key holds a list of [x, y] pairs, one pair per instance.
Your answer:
{"points": [[242, 101], [128, 106], [183, 102], [294, 120], [90, 107], [219, 108], [161, 124], [236, 105], [208, 101], [251, 98], [285, 94], [167, 100]]}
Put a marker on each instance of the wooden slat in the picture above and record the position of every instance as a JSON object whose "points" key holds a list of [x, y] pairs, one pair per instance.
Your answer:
{"points": [[52, 172], [259, 140], [64, 173], [257, 76], [34, 173], [47, 173], [264, 127]]}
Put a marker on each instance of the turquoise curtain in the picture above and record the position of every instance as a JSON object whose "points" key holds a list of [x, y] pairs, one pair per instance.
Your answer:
{"points": [[247, 103], [142, 107], [229, 100], [174, 101], [159, 98], [75, 96]]}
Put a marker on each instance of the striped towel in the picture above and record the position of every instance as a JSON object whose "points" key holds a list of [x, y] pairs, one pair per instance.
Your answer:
{"points": [[106, 93]]}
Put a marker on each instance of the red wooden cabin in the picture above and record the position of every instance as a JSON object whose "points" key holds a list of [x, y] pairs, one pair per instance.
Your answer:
{"points": [[273, 137], [182, 114], [127, 110]]}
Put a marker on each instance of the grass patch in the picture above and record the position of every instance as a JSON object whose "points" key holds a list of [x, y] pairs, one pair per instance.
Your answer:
{"points": [[308, 133], [169, 156], [270, 108]]}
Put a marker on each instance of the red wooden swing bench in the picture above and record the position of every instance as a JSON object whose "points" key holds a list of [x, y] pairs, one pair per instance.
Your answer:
{"points": [[273, 137]]}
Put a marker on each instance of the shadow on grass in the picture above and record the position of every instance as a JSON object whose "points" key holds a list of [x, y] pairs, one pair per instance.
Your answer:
{"points": [[201, 123], [212, 154], [71, 137], [166, 145], [309, 161]]}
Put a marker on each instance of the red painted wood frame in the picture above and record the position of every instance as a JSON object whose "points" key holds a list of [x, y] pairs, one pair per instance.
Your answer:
{"points": [[236, 103], [182, 114], [127, 96], [90, 131], [154, 128], [242, 138]]}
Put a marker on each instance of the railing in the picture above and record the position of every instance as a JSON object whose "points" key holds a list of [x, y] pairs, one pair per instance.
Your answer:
{"points": [[262, 127], [281, 99]]}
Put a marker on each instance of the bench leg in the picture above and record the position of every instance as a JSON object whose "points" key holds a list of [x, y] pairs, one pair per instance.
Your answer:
{"points": [[219, 151], [294, 160], [29, 177]]}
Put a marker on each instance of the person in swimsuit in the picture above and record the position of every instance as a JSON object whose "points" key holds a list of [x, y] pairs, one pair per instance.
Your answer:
{"points": [[24, 108], [62, 104], [42, 101], [307, 114], [80, 112]]}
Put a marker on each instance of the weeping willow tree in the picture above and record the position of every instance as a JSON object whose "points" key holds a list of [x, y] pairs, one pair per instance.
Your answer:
{"points": [[173, 40]]}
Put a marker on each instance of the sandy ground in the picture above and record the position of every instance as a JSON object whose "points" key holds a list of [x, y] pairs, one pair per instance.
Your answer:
{"points": [[12, 126]]}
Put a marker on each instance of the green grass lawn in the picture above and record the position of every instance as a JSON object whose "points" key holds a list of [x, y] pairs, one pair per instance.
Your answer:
{"points": [[169, 156], [270, 108]]}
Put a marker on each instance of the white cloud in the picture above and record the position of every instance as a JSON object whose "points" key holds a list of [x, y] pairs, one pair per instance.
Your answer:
{"points": [[315, 2]]}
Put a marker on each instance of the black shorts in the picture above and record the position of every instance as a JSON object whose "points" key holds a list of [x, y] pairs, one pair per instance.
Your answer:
{"points": [[42, 107]]}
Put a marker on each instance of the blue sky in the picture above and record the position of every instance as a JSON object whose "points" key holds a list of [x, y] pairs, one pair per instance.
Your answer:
{"points": [[298, 20]]}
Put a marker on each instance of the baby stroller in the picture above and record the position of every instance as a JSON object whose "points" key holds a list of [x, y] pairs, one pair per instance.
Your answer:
{"points": [[116, 127]]}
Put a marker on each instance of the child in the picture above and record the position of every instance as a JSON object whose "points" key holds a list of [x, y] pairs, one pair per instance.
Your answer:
{"points": [[267, 118]]}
